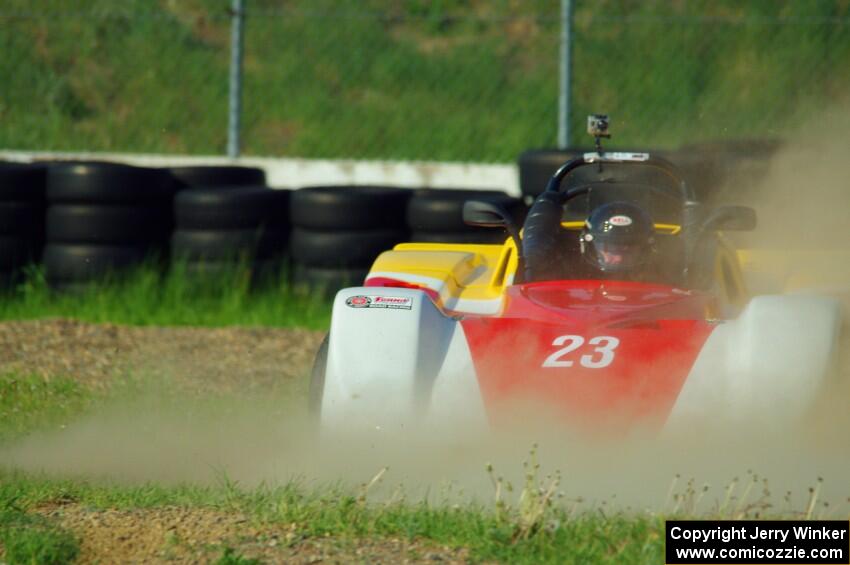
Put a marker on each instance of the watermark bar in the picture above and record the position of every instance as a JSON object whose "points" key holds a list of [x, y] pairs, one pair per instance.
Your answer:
{"points": [[766, 541]]}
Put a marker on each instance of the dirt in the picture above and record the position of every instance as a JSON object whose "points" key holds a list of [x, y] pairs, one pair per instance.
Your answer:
{"points": [[200, 359], [202, 535]]}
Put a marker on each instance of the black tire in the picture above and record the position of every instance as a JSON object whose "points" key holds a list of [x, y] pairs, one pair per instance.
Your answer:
{"points": [[327, 280], [22, 182], [107, 183], [317, 380], [341, 248], [86, 223], [218, 175], [349, 207], [11, 278], [82, 261], [217, 268], [733, 165], [442, 210], [22, 218], [228, 245], [484, 235], [537, 166], [16, 251], [238, 208]]}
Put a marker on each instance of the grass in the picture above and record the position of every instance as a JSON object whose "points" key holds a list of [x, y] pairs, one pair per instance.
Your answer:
{"points": [[488, 535], [451, 80], [533, 531], [529, 523], [30, 539], [147, 297], [29, 402]]}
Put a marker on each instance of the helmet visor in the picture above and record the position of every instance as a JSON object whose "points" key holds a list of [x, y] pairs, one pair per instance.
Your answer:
{"points": [[614, 257]]}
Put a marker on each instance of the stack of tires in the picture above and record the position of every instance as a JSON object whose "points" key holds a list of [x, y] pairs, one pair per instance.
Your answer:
{"points": [[104, 218], [436, 216], [21, 218], [708, 167], [222, 228], [536, 167], [338, 231], [217, 175]]}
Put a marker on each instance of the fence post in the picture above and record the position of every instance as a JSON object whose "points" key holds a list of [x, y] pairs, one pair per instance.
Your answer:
{"points": [[235, 95], [566, 74]]}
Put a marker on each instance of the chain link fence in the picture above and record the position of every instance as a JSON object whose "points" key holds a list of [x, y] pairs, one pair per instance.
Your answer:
{"points": [[457, 80]]}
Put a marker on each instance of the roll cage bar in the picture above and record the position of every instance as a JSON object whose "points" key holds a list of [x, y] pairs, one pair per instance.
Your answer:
{"points": [[545, 214]]}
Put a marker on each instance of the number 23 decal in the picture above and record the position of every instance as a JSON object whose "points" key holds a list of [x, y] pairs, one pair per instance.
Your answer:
{"points": [[602, 355]]}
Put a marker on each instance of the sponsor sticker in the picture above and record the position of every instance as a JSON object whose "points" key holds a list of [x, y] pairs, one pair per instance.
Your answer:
{"points": [[620, 221], [616, 156], [380, 301], [358, 301]]}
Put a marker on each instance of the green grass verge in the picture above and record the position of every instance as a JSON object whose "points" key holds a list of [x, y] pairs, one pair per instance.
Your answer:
{"points": [[420, 79], [147, 297], [33, 540], [488, 532], [534, 532], [29, 402]]}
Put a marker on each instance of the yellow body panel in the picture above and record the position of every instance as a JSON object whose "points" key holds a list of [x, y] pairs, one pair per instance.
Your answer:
{"points": [[480, 272], [787, 270], [476, 271]]}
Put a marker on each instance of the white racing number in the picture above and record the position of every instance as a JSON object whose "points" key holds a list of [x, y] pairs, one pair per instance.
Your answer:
{"points": [[602, 355]]}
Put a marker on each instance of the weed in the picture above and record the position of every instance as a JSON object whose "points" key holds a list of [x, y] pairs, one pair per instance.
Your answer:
{"points": [[535, 510]]}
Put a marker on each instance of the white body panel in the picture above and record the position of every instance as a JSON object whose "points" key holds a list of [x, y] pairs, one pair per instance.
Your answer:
{"points": [[769, 365], [397, 368], [409, 370]]}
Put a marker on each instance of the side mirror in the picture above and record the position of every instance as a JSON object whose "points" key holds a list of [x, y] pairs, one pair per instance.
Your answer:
{"points": [[731, 218], [485, 214], [490, 215]]}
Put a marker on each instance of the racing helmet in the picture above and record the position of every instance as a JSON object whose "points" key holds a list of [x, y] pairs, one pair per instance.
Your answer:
{"points": [[618, 237]]}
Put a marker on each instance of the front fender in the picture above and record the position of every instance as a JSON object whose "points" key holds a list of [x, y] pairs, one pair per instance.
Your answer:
{"points": [[395, 360], [769, 365]]}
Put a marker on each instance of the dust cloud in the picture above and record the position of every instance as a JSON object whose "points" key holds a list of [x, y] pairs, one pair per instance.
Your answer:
{"points": [[802, 200], [803, 204], [255, 441]]}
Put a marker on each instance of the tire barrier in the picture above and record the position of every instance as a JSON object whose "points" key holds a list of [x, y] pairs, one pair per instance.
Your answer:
{"points": [[218, 175], [219, 228], [342, 248], [327, 280], [104, 218], [107, 183], [68, 263], [707, 167], [436, 216], [713, 168], [339, 231], [239, 208], [536, 167], [491, 235], [99, 217], [108, 224], [22, 189], [349, 208]]}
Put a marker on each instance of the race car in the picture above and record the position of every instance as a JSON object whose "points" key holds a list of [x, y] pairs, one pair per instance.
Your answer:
{"points": [[471, 337]]}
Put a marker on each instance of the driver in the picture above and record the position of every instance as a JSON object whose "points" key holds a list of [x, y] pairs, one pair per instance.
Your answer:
{"points": [[618, 242]]}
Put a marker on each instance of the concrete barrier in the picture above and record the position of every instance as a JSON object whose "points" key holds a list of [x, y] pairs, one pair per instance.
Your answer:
{"points": [[297, 173]]}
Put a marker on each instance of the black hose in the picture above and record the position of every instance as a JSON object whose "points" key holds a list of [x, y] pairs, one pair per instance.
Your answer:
{"points": [[539, 238]]}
